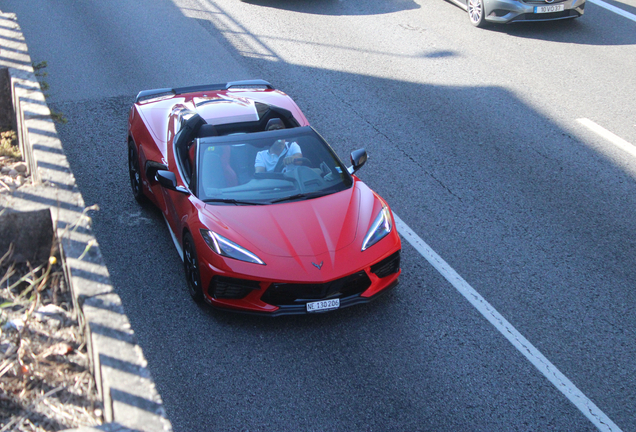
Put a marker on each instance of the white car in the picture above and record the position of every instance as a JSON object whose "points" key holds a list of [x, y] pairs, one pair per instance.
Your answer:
{"points": [[483, 12]]}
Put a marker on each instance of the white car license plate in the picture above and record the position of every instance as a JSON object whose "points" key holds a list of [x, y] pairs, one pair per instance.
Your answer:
{"points": [[323, 305], [549, 8]]}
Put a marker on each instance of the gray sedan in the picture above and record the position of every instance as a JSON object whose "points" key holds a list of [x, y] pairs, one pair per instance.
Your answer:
{"points": [[482, 12]]}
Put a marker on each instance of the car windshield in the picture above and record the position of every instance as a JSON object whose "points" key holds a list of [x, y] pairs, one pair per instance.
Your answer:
{"points": [[268, 167]]}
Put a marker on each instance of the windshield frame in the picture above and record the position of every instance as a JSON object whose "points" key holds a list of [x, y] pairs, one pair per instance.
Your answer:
{"points": [[260, 140]]}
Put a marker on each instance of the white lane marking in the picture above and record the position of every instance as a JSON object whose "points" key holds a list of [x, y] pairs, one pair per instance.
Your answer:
{"points": [[604, 133], [560, 381], [614, 9]]}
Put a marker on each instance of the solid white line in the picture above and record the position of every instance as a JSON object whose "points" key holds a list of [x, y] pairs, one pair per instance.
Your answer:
{"points": [[614, 9], [560, 381], [604, 133]]}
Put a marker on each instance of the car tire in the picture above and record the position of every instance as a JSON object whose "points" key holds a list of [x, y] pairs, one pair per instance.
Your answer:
{"points": [[135, 175], [191, 268], [477, 13]]}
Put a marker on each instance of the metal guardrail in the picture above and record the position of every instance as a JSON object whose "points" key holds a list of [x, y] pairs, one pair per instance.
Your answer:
{"points": [[131, 401]]}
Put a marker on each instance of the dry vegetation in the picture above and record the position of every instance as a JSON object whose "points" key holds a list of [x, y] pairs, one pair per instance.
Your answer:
{"points": [[9, 144], [45, 379], [13, 172]]}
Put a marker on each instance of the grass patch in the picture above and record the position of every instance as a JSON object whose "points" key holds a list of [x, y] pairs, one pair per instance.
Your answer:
{"points": [[58, 117], [40, 73]]}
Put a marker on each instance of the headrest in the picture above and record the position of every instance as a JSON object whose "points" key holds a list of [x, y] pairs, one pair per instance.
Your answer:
{"points": [[207, 130], [274, 124]]}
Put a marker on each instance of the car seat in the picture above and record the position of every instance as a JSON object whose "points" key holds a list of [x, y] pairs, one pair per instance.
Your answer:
{"points": [[274, 124], [216, 171]]}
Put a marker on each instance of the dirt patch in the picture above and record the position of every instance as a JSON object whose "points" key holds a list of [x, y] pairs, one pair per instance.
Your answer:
{"points": [[45, 378]]}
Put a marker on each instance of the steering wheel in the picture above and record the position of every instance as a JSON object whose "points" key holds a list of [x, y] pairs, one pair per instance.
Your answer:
{"points": [[302, 161], [297, 161]]}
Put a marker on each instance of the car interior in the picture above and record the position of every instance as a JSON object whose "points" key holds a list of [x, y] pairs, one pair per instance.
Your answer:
{"points": [[230, 164], [197, 127]]}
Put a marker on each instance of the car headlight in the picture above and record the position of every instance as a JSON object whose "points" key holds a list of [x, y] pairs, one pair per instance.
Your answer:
{"points": [[381, 227], [227, 248]]}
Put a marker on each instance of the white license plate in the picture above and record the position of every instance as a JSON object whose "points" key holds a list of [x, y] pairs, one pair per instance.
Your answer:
{"points": [[323, 305], [549, 8]]}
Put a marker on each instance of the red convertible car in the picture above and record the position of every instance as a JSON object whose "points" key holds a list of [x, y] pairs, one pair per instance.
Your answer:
{"points": [[265, 216]]}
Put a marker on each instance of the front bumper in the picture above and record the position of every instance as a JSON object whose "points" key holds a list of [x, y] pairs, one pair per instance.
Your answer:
{"points": [[301, 309], [274, 298], [508, 11]]}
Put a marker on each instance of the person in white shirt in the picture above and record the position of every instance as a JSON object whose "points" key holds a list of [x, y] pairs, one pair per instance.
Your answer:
{"points": [[266, 160]]}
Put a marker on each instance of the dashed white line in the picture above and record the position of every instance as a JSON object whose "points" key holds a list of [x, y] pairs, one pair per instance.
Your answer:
{"points": [[609, 136], [614, 9], [560, 381]]}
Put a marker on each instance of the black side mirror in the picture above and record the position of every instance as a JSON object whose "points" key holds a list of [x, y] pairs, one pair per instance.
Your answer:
{"points": [[358, 158], [168, 180]]}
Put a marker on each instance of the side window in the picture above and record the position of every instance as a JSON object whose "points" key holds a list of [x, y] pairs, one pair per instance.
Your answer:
{"points": [[181, 148], [182, 154], [190, 162]]}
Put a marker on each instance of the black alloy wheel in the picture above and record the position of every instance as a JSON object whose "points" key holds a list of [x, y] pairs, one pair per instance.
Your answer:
{"points": [[135, 174], [477, 13], [191, 268]]}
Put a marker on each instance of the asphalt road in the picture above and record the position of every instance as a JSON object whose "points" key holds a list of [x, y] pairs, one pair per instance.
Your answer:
{"points": [[485, 142]]}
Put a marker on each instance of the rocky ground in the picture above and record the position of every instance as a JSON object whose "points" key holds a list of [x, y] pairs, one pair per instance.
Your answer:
{"points": [[13, 171], [45, 378]]}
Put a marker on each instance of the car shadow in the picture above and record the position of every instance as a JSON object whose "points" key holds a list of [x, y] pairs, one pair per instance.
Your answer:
{"points": [[337, 7]]}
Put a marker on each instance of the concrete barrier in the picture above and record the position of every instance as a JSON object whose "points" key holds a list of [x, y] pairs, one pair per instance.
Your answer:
{"points": [[131, 401]]}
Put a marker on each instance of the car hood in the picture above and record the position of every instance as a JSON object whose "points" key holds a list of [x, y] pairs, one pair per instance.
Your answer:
{"points": [[300, 228]]}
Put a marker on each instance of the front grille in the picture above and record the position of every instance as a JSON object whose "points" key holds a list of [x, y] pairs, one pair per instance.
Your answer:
{"points": [[387, 266], [222, 287], [289, 294], [543, 2], [570, 13]]}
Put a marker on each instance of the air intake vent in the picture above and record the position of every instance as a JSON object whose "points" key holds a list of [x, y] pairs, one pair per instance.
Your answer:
{"points": [[229, 288], [387, 266], [290, 294]]}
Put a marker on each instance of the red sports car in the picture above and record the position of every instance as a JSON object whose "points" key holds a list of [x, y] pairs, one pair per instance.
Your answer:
{"points": [[265, 216]]}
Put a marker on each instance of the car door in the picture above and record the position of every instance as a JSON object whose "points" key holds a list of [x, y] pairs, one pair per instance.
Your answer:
{"points": [[179, 204]]}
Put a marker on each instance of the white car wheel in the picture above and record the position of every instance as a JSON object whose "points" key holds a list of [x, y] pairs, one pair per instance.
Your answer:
{"points": [[476, 13]]}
